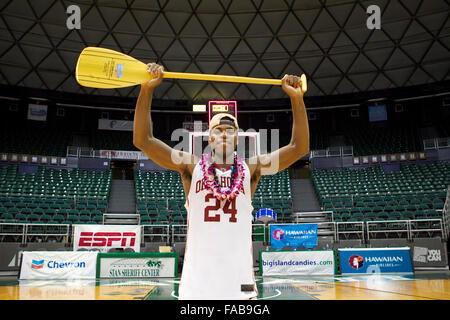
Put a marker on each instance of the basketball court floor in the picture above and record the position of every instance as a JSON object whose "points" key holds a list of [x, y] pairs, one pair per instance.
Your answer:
{"points": [[420, 286]]}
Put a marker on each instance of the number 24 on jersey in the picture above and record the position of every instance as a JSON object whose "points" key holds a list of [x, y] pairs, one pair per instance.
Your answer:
{"points": [[229, 207]]}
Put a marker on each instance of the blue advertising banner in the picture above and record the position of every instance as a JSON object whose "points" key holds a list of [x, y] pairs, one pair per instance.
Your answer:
{"points": [[293, 235], [375, 260]]}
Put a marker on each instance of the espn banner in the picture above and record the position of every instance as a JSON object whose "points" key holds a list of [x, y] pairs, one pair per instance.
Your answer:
{"points": [[281, 263], [105, 237], [58, 265], [137, 265]]}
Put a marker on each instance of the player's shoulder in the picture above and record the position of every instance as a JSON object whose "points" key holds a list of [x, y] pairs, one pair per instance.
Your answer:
{"points": [[189, 166]]}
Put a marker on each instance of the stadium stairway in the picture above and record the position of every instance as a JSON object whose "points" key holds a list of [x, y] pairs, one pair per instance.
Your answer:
{"points": [[304, 196], [122, 197], [307, 208]]}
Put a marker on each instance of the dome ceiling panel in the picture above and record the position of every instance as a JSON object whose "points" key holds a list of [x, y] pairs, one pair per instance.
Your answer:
{"points": [[268, 38]]}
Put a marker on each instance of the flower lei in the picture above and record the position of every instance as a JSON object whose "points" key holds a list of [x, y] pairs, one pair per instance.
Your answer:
{"points": [[210, 178]]}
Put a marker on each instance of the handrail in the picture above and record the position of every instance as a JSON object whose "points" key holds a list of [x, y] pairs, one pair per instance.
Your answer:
{"points": [[25, 230], [170, 233], [409, 224]]}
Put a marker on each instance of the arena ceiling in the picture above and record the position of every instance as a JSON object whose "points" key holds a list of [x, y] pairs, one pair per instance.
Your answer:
{"points": [[327, 40]]}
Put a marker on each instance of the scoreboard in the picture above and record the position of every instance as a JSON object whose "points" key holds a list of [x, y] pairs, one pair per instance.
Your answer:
{"points": [[215, 107], [248, 142]]}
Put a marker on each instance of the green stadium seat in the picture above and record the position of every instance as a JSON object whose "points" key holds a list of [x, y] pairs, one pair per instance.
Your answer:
{"points": [[72, 218], [396, 215], [98, 219], [382, 215], [38, 211], [370, 216], [45, 218], [58, 218], [432, 213], [162, 220], [32, 218], [409, 215], [84, 218], [6, 217], [437, 204], [357, 217], [145, 219], [178, 219]]}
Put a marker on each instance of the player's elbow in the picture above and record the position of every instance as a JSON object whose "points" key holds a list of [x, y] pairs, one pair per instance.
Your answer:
{"points": [[301, 149], [305, 149], [139, 142]]}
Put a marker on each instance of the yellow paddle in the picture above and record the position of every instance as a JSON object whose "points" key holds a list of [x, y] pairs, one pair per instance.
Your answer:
{"points": [[105, 68]]}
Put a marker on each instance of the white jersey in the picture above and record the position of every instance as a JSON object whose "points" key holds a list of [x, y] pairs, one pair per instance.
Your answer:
{"points": [[218, 257]]}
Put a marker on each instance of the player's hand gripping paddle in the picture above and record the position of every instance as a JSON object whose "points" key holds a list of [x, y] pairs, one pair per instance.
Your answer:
{"points": [[105, 68]]}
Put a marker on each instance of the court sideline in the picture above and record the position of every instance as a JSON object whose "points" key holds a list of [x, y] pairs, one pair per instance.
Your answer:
{"points": [[420, 286]]}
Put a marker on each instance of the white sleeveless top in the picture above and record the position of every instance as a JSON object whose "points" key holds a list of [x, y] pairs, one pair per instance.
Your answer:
{"points": [[218, 257]]}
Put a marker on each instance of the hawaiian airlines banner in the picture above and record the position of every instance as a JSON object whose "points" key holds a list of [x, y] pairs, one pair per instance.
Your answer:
{"points": [[293, 235], [106, 237], [58, 265], [375, 260]]}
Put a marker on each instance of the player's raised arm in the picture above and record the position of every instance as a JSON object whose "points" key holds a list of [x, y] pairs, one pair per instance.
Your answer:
{"points": [[282, 158], [143, 138]]}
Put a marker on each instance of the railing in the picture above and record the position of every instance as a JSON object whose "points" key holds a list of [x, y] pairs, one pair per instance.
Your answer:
{"points": [[78, 152], [350, 228], [446, 215], [75, 198], [402, 193], [89, 152], [177, 232], [407, 227], [161, 231], [332, 152], [27, 230], [436, 143]]}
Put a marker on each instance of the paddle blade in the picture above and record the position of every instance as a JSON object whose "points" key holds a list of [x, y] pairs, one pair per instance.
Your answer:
{"points": [[105, 68]]}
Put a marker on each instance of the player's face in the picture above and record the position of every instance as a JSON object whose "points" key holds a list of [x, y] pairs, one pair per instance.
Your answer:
{"points": [[223, 139]]}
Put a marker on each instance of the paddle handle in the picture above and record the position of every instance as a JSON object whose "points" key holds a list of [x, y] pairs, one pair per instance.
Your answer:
{"points": [[223, 78], [217, 77]]}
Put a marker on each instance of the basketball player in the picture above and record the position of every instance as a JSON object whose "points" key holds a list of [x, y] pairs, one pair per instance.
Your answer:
{"points": [[218, 260]]}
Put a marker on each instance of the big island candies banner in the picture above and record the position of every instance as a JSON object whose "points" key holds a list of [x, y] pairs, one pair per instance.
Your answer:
{"points": [[293, 235]]}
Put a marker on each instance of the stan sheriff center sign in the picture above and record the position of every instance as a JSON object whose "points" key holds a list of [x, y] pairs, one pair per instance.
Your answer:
{"points": [[293, 235], [125, 268], [137, 265]]}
